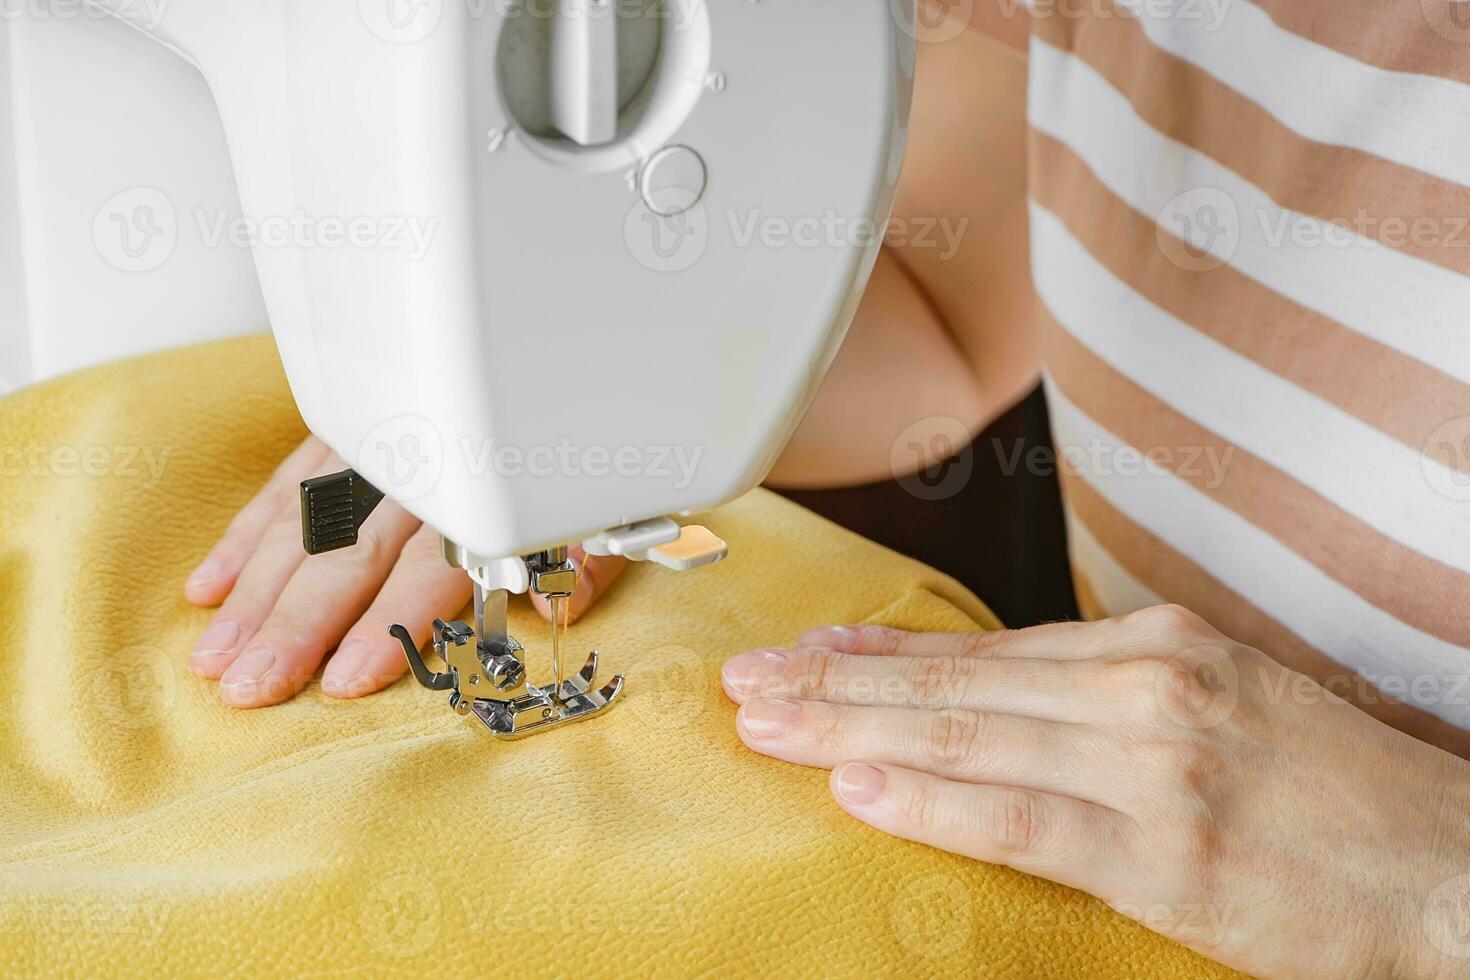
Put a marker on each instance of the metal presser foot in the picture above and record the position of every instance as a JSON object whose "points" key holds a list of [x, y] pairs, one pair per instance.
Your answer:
{"points": [[486, 673]]}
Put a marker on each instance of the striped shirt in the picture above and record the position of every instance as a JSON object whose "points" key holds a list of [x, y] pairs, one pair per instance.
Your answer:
{"points": [[1250, 247]]}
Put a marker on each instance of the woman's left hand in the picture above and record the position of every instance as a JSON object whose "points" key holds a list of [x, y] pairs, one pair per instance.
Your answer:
{"points": [[1189, 781]]}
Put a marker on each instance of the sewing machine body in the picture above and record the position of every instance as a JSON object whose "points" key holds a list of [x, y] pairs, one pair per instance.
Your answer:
{"points": [[514, 346], [537, 271]]}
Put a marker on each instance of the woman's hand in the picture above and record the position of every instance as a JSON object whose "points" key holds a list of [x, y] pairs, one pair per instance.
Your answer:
{"points": [[1187, 780], [282, 612]]}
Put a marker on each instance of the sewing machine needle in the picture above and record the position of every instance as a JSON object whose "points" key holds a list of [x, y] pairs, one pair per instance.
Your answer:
{"points": [[556, 644]]}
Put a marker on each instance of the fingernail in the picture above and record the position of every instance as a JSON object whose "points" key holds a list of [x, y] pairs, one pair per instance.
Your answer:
{"points": [[205, 574], [745, 671], [249, 670], [342, 674], [221, 637], [858, 782], [769, 717], [843, 639]]}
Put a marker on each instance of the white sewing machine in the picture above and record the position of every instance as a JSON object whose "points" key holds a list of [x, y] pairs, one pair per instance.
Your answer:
{"points": [[542, 271]]}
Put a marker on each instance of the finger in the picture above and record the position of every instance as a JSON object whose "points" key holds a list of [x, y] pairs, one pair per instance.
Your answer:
{"points": [[422, 587], [956, 743], [593, 580], [1052, 690], [1066, 840], [265, 576], [326, 596], [212, 580], [1152, 630], [1053, 641]]}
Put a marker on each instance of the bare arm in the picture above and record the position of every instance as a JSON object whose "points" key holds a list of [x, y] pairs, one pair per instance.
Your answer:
{"points": [[944, 331]]}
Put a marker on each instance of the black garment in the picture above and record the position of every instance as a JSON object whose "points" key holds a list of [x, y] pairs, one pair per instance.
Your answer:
{"points": [[1000, 530]]}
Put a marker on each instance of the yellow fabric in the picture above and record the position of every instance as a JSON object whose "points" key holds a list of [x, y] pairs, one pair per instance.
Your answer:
{"points": [[146, 827]]}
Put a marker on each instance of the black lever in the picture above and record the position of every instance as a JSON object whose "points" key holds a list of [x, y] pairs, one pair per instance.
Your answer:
{"points": [[421, 671], [333, 510]]}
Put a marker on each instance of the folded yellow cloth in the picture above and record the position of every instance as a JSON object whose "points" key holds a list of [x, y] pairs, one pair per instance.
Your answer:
{"points": [[147, 828]]}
